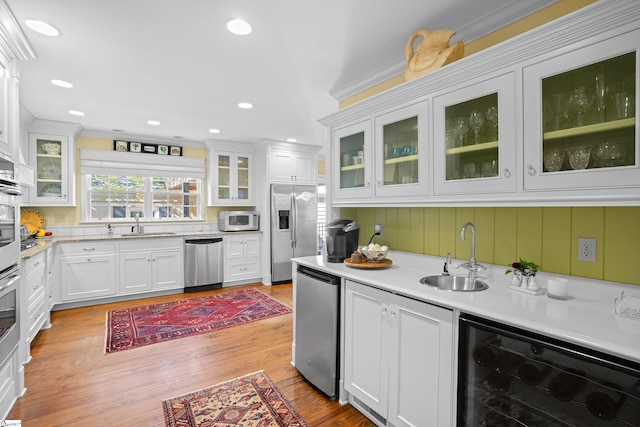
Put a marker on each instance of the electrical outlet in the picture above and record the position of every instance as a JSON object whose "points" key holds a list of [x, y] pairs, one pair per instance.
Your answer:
{"points": [[378, 229], [59, 218], [586, 249]]}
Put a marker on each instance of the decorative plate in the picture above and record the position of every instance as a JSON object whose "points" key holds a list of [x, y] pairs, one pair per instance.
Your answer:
{"points": [[50, 171], [33, 220]]}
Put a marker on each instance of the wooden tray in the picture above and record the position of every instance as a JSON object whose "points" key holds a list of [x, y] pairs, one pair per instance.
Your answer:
{"points": [[382, 264]]}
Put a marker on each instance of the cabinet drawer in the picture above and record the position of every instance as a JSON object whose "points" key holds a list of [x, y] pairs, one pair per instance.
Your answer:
{"points": [[86, 248], [8, 383], [34, 286], [242, 270], [36, 315], [33, 263], [134, 245]]}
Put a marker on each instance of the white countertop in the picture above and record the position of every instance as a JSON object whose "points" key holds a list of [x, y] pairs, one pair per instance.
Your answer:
{"points": [[587, 318]]}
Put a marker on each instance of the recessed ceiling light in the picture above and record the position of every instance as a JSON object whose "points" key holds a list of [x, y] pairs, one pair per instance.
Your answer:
{"points": [[42, 27], [214, 130], [239, 27], [61, 83], [245, 105], [76, 113], [291, 140], [153, 122]]}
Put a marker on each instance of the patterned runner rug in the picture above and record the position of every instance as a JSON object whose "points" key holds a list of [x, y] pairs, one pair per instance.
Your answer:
{"points": [[139, 326], [249, 401]]}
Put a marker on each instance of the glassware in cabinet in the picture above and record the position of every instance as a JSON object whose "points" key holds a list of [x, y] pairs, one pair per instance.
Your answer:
{"points": [[474, 138], [580, 121], [49, 166], [224, 177]]}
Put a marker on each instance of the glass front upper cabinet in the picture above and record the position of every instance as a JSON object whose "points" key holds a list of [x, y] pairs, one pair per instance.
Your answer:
{"points": [[474, 144], [232, 179], [51, 154], [353, 155], [583, 117]]}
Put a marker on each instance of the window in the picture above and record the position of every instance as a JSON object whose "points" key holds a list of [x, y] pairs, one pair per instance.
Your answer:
{"points": [[113, 197], [122, 186]]}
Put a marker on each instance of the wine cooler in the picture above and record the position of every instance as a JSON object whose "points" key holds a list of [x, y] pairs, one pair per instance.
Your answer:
{"points": [[511, 377]]}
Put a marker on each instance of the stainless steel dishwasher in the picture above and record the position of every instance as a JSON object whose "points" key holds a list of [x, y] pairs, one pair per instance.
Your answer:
{"points": [[317, 308], [203, 264]]}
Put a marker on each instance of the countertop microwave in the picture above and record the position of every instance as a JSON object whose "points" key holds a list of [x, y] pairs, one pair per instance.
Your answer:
{"points": [[238, 221]]}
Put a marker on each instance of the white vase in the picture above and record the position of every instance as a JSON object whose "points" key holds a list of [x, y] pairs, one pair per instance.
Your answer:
{"points": [[532, 283], [517, 279]]}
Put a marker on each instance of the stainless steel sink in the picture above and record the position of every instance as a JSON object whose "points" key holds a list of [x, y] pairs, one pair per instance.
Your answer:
{"points": [[455, 283], [157, 233]]}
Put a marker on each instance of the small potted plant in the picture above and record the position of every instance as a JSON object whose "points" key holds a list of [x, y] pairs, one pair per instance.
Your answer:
{"points": [[522, 269]]}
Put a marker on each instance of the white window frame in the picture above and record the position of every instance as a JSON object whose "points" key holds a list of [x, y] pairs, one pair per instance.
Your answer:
{"points": [[101, 162]]}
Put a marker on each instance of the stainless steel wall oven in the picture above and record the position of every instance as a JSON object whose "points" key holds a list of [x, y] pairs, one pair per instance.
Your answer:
{"points": [[9, 330]]}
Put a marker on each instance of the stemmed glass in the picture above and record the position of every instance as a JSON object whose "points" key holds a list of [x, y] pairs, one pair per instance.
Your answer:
{"points": [[581, 101], [476, 120], [461, 129], [559, 107], [492, 116], [601, 95]]}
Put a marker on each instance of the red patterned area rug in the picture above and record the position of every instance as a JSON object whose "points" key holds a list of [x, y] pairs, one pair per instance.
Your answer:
{"points": [[249, 401], [139, 326]]}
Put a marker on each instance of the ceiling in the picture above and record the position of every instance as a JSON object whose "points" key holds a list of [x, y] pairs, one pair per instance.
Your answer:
{"points": [[175, 62]]}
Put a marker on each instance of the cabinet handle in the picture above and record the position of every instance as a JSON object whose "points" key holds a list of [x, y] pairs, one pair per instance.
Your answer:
{"points": [[378, 183], [368, 184], [89, 249], [88, 259], [507, 173], [393, 314], [532, 170]]}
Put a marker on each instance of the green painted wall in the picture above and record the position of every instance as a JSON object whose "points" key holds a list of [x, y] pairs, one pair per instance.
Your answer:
{"points": [[546, 235]]}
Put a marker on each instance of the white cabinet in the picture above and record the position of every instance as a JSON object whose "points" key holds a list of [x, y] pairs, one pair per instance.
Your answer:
{"points": [[475, 139], [391, 164], [242, 257], [6, 148], [11, 383], [142, 269], [581, 127], [290, 166], [87, 270], [52, 154], [230, 179], [398, 357], [34, 314]]}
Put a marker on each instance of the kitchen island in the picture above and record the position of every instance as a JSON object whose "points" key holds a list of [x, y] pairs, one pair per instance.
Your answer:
{"points": [[586, 319]]}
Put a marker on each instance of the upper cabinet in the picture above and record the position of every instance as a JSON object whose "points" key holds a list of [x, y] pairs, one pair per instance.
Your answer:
{"points": [[52, 154], [475, 138], [546, 118], [6, 148], [581, 128], [383, 156], [293, 167], [231, 179]]}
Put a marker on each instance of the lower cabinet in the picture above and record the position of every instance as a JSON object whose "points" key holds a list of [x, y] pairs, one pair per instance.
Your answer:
{"points": [[91, 270], [34, 299], [11, 383], [144, 270], [398, 358], [242, 258]]}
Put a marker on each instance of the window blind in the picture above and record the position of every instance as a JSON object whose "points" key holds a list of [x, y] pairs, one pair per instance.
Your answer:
{"points": [[103, 162]]}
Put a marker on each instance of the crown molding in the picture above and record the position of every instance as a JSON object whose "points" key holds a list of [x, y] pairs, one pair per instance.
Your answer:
{"points": [[12, 35]]}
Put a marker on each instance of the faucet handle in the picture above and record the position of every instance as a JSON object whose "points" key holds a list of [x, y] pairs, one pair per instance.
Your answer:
{"points": [[447, 262]]}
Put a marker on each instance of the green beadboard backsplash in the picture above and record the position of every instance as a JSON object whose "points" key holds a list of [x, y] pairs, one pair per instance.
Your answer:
{"points": [[545, 235]]}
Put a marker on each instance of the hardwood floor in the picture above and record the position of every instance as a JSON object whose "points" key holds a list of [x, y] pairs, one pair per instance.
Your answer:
{"points": [[71, 382]]}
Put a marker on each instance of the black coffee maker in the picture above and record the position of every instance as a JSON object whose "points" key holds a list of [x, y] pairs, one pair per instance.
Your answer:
{"points": [[341, 239]]}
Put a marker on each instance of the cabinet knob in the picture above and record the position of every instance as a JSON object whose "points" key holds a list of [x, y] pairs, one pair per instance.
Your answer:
{"points": [[368, 185], [532, 170], [506, 173], [88, 259], [378, 183]]}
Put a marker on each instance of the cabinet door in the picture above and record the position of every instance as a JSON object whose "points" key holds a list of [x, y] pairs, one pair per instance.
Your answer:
{"points": [[251, 246], [230, 179], [352, 161], [304, 167], [5, 143], [135, 272], [87, 277], [475, 138], [282, 166], [50, 156], [366, 353], [234, 247], [581, 127], [167, 270], [400, 152], [421, 364]]}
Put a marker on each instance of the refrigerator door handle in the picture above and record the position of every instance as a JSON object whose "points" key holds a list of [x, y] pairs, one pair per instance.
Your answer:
{"points": [[294, 223]]}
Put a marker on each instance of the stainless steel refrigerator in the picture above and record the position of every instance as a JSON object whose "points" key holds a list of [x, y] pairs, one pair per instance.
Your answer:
{"points": [[293, 227]]}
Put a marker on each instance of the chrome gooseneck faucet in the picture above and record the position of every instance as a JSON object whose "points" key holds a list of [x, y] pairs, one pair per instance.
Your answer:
{"points": [[472, 265]]}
